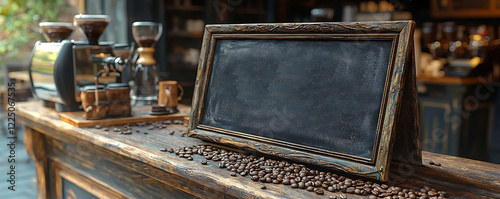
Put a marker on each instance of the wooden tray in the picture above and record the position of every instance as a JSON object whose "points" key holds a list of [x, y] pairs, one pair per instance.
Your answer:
{"points": [[139, 114]]}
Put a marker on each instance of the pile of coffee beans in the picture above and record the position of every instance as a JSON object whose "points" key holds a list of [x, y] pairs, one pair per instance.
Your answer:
{"points": [[298, 176]]}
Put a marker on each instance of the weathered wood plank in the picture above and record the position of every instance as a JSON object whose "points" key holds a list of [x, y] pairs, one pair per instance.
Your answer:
{"points": [[461, 177]]}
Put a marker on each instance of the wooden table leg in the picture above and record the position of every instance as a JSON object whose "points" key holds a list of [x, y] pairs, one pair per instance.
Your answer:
{"points": [[35, 146]]}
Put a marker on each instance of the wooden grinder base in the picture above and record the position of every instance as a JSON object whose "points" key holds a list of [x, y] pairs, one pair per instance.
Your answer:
{"points": [[139, 114]]}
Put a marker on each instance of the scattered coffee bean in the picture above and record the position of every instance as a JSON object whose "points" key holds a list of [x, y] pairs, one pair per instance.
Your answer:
{"points": [[178, 122], [302, 185], [432, 193], [437, 164], [385, 194], [151, 127], [146, 133], [431, 162], [350, 190], [204, 162], [332, 197], [233, 173], [98, 126], [320, 192], [263, 187], [170, 150], [163, 150], [172, 132], [105, 129], [190, 158]]}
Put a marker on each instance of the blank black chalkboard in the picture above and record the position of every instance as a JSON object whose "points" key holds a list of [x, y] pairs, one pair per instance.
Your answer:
{"points": [[329, 94], [314, 93]]}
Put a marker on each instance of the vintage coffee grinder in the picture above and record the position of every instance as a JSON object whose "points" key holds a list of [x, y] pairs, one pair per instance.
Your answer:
{"points": [[144, 90], [60, 68], [51, 64]]}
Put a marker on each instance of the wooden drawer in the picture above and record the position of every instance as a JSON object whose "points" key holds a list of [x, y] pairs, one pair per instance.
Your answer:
{"points": [[68, 183], [100, 173]]}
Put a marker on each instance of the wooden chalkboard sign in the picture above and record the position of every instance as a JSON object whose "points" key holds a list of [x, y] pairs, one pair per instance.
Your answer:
{"points": [[337, 95]]}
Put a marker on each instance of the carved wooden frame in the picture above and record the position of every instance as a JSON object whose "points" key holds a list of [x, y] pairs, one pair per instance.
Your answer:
{"points": [[400, 85]]}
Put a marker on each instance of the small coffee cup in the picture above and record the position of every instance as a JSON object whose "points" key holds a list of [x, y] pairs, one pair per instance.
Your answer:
{"points": [[169, 95]]}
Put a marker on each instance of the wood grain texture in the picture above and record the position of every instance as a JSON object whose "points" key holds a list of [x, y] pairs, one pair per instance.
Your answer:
{"points": [[35, 146], [400, 61], [139, 114], [139, 154], [407, 144], [360, 27], [395, 96]]}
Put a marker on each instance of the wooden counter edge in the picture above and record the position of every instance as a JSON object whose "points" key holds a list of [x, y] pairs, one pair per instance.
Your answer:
{"points": [[35, 120]]}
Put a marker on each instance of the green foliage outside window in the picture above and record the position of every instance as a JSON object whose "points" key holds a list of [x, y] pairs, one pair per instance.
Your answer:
{"points": [[19, 22]]}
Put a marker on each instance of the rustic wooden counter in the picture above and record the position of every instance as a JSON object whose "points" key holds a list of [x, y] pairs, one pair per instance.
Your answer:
{"points": [[73, 161]]}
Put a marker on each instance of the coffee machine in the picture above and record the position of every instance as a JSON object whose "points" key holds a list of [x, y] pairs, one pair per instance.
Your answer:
{"points": [[60, 68]]}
